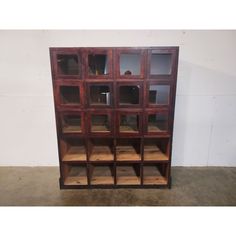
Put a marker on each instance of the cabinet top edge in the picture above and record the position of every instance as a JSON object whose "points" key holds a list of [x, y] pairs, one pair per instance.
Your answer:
{"points": [[120, 48]]}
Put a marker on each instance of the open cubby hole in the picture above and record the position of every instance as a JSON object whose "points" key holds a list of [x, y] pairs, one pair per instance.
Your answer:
{"points": [[157, 122], [71, 123], [129, 123], [70, 95], [101, 149], [101, 174], [155, 174], [75, 174], [68, 64], [128, 174], [156, 149], [128, 149], [100, 123], [73, 149]]}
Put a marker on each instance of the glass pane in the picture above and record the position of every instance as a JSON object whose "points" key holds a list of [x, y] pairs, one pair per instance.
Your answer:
{"points": [[68, 64], [129, 95], [70, 94], [157, 123], [161, 64], [159, 94], [130, 64], [71, 124], [129, 123], [100, 123], [99, 95], [98, 64]]}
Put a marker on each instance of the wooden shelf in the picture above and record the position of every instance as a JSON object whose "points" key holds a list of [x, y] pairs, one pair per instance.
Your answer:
{"points": [[100, 128], [127, 176], [153, 153], [102, 175], [101, 153], [75, 153], [76, 176], [127, 129], [71, 129], [127, 153], [152, 176]]}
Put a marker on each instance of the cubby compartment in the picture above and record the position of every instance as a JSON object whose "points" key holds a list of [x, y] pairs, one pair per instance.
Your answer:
{"points": [[128, 149], [99, 94], [71, 123], [156, 149], [161, 63], [101, 174], [101, 149], [69, 95], [130, 63], [98, 64], [67, 64], [157, 122], [129, 123], [73, 149], [75, 174], [100, 123], [158, 94], [129, 95], [155, 174], [128, 174]]}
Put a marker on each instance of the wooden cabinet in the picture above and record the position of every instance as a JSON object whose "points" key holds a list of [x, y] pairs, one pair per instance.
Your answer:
{"points": [[114, 112]]}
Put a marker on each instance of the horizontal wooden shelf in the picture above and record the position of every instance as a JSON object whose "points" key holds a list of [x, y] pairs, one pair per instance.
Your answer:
{"points": [[75, 153], [71, 129], [76, 176], [127, 176], [127, 153], [101, 153], [153, 153], [151, 175], [102, 175]]}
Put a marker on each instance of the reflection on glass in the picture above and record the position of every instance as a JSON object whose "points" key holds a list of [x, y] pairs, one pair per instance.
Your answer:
{"points": [[99, 95], [159, 94], [157, 123], [161, 64], [129, 123], [71, 124], [70, 94], [98, 64], [130, 64], [100, 123], [129, 95], [68, 64]]}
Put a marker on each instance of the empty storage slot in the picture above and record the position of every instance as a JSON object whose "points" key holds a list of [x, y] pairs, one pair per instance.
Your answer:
{"points": [[70, 94], [128, 174], [75, 175], [73, 149], [98, 64], [129, 123], [99, 95], [130, 64], [102, 174], [129, 95], [157, 122], [128, 150], [160, 64], [156, 149], [154, 174], [71, 124], [101, 150], [68, 64], [100, 123], [159, 94]]}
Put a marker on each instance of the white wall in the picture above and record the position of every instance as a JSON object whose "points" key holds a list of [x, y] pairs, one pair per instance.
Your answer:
{"points": [[205, 118]]}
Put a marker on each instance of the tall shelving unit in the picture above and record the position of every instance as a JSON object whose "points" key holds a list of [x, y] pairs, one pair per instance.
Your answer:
{"points": [[114, 111]]}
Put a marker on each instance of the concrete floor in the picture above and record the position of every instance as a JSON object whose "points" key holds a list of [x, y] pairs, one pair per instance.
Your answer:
{"points": [[38, 186]]}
